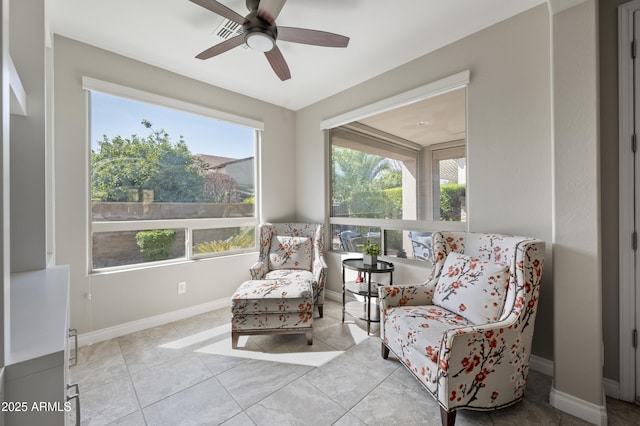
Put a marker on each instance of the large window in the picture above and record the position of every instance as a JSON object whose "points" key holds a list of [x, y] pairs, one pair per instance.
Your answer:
{"points": [[167, 184], [399, 175]]}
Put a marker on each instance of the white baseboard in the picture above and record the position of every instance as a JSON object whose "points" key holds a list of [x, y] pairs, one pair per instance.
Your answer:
{"points": [[153, 321], [545, 366], [611, 388], [541, 365], [592, 413]]}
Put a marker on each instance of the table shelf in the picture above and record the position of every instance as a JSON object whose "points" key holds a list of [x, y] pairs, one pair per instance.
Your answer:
{"points": [[361, 288], [367, 290]]}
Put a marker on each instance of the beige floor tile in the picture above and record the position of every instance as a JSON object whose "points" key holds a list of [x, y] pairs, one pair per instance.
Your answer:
{"points": [[255, 380], [133, 419], [392, 403], [346, 380], [156, 383], [110, 402], [241, 419], [92, 371], [298, 403], [206, 403]]}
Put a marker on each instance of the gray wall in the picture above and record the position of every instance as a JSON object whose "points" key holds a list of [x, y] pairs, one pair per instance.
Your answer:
{"points": [[509, 132], [608, 33], [28, 136], [120, 297]]}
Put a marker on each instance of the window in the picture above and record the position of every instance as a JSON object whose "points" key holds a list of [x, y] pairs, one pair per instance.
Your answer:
{"points": [[399, 175], [169, 181], [449, 182]]}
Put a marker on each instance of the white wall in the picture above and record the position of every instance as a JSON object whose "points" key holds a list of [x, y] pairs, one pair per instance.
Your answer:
{"points": [[509, 133], [577, 263], [120, 297]]}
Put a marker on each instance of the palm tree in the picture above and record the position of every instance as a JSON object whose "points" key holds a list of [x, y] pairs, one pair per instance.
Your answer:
{"points": [[357, 172]]}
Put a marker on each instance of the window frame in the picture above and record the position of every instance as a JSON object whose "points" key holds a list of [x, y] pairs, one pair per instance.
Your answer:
{"points": [[94, 85], [453, 82]]}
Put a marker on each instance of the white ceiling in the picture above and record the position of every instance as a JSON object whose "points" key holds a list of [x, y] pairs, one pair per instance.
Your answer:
{"points": [[434, 120], [384, 34]]}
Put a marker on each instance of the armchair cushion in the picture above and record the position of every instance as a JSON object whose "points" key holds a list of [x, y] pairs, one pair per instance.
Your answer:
{"points": [[418, 331], [290, 253], [472, 288]]}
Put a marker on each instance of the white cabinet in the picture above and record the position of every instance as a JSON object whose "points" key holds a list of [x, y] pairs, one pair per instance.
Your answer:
{"points": [[36, 372]]}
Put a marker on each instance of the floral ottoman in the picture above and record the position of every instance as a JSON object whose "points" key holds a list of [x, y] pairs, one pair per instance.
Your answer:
{"points": [[280, 306]]}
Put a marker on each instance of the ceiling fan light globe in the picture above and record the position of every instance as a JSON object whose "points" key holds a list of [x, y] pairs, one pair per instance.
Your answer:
{"points": [[260, 42]]}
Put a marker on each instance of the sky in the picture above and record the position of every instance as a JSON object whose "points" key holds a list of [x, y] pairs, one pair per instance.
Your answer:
{"points": [[116, 116]]}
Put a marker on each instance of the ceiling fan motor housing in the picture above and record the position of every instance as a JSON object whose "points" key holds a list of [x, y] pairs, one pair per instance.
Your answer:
{"points": [[254, 25]]}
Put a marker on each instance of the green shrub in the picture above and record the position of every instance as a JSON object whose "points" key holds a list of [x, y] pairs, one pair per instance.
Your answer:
{"points": [[245, 240], [451, 195], [155, 244], [380, 204]]}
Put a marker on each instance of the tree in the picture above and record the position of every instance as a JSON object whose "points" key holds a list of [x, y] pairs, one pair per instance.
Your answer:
{"points": [[122, 168], [357, 171], [221, 188]]}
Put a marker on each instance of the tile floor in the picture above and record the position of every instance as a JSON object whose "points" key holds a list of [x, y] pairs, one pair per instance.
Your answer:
{"points": [[185, 373]]}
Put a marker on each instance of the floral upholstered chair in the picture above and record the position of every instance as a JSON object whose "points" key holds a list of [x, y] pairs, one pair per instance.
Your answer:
{"points": [[466, 333], [293, 251]]}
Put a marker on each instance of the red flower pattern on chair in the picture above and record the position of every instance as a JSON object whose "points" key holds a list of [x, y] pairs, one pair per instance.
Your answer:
{"points": [[309, 266], [465, 364]]}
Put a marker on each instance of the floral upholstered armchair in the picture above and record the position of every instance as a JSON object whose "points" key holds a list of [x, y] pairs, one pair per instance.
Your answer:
{"points": [[466, 333], [293, 251]]}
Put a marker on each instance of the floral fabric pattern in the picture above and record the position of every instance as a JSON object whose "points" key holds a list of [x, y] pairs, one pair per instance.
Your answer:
{"points": [[467, 365], [466, 279], [268, 233], [272, 305], [270, 322], [272, 296], [290, 253]]}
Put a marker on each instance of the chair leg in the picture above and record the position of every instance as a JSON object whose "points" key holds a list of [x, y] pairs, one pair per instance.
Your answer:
{"points": [[385, 351], [234, 340], [309, 337], [448, 418], [320, 310]]}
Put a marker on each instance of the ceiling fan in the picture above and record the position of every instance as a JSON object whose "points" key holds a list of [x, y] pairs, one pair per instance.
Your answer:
{"points": [[260, 33]]}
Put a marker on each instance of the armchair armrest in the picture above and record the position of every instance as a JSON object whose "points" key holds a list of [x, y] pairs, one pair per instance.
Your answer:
{"points": [[480, 357], [403, 295], [258, 270], [411, 295], [319, 268]]}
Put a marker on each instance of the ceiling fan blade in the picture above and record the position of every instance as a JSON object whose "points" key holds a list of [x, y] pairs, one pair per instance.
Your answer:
{"points": [[270, 9], [279, 65], [221, 47], [314, 37], [221, 10]]}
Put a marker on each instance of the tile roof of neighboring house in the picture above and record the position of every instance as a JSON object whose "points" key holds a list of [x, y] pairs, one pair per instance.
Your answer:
{"points": [[215, 161]]}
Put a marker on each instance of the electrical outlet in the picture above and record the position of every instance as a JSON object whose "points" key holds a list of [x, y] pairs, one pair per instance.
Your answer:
{"points": [[182, 287]]}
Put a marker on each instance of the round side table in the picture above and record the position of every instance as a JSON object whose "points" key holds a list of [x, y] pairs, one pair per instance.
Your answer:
{"points": [[368, 289]]}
